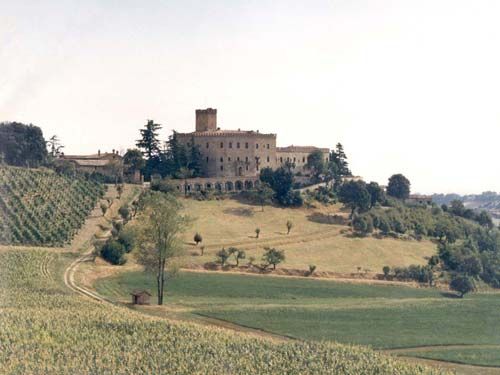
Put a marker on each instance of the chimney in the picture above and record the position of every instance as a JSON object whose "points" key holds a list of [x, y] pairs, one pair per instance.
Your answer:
{"points": [[206, 120]]}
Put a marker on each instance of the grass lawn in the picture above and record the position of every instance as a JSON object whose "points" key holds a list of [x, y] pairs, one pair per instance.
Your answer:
{"points": [[313, 239], [377, 315], [476, 356]]}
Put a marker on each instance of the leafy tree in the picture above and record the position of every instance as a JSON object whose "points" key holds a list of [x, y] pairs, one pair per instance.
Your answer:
{"points": [[222, 256], [150, 146], [316, 164], [114, 252], [195, 159], [355, 195], [257, 232], [398, 187], [462, 284], [289, 226], [237, 253], [312, 268], [377, 194], [273, 256], [197, 238], [161, 224], [54, 145], [22, 145], [133, 160], [484, 219], [281, 181]]}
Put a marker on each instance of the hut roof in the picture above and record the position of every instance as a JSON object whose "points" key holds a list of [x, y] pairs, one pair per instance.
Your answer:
{"points": [[140, 292]]}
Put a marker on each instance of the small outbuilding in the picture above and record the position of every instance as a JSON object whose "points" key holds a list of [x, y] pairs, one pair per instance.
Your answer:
{"points": [[141, 297]]}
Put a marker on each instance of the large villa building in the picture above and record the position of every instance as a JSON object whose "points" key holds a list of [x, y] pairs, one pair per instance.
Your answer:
{"points": [[232, 159]]}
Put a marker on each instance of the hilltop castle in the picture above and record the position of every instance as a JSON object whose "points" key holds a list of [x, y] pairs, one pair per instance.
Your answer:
{"points": [[232, 159]]}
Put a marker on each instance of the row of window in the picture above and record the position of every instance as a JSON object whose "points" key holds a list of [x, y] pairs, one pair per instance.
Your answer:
{"points": [[238, 145], [237, 159], [294, 159]]}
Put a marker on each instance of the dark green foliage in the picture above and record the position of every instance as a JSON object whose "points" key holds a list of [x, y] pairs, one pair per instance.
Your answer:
{"points": [[462, 284], [273, 256], [197, 238], [281, 181], [377, 194], [398, 187], [114, 252], [316, 164], [312, 269], [22, 145], [386, 270], [133, 160], [355, 195], [222, 256], [421, 274], [124, 212], [127, 239], [149, 144], [362, 224], [164, 185]]}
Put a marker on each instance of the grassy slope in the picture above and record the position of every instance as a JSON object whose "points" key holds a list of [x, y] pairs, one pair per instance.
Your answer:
{"points": [[381, 316], [47, 329], [312, 241]]}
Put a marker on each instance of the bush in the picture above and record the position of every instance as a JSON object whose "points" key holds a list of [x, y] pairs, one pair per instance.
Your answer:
{"points": [[386, 270], [197, 238], [362, 224], [273, 256], [114, 252], [124, 212], [127, 239], [221, 257]]}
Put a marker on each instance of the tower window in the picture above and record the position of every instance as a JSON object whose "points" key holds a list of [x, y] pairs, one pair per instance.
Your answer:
{"points": [[207, 159], [247, 167], [281, 159], [268, 146], [229, 159], [304, 159], [221, 167], [246, 144], [238, 145], [222, 145], [230, 144], [294, 159], [268, 159], [207, 144], [221, 160], [238, 158], [256, 145], [246, 158]]}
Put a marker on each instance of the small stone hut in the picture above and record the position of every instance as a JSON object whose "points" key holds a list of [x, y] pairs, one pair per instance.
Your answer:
{"points": [[141, 297]]}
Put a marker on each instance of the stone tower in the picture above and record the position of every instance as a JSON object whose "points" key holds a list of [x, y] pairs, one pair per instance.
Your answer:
{"points": [[206, 120]]}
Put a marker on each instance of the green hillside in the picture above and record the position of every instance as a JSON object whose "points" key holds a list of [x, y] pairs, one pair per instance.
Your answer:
{"points": [[47, 329], [40, 207]]}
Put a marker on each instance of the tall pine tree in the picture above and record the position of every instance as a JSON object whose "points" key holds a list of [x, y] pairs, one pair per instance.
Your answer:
{"points": [[149, 144]]}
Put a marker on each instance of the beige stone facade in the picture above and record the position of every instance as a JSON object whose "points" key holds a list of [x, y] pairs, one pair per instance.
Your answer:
{"points": [[239, 155]]}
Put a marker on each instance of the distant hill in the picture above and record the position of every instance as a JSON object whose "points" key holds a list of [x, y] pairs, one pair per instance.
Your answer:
{"points": [[40, 207], [488, 200]]}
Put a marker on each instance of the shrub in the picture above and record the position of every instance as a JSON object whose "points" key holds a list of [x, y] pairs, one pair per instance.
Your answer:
{"points": [[114, 252], [386, 270], [257, 232], [127, 239], [362, 224], [312, 268], [124, 212], [197, 238]]}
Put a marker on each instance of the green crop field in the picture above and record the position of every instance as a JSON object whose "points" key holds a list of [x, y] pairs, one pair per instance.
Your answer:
{"points": [[377, 315], [314, 238], [39, 207], [47, 329]]}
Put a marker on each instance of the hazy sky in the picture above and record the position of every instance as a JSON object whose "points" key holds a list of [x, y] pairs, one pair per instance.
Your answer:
{"points": [[410, 86]]}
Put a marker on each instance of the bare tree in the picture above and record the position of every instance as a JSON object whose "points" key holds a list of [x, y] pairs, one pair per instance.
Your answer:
{"points": [[161, 224]]}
